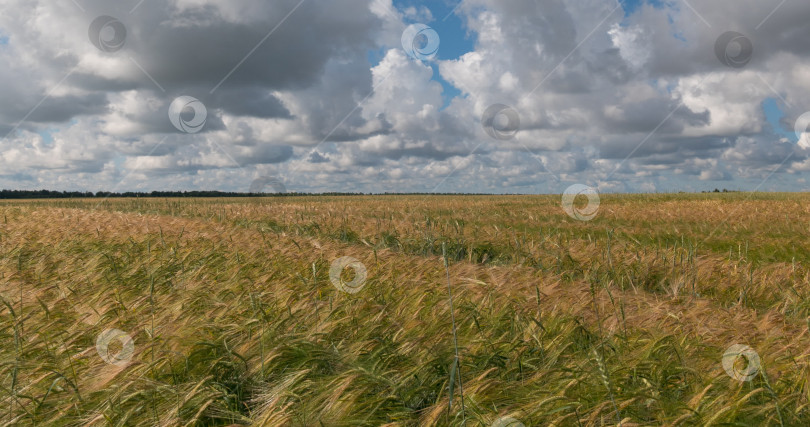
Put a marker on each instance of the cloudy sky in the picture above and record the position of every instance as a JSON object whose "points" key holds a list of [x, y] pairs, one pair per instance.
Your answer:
{"points": [[500, 96]]}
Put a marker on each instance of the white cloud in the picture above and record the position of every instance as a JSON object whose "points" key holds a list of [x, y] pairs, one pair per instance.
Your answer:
{"points": [[622, 103]]}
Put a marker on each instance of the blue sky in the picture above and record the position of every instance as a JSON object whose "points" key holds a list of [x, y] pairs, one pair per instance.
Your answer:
{"points": [[456, 40], [630, 6]]}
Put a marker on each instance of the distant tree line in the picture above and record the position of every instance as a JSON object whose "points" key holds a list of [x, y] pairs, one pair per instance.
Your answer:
{"points": [[718, 191], [49, 194]]}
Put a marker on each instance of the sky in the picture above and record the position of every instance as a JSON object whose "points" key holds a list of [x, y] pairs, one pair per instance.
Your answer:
{"points": [[483, 96]]}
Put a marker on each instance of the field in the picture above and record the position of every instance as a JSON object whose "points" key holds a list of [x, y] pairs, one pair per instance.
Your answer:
{"points": [[234, 318]]}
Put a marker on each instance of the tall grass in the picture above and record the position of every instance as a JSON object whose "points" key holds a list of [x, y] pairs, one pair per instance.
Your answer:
{"points": [[621, 320]]}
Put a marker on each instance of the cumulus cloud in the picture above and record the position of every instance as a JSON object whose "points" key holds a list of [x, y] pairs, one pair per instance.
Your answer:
{"points": [[322, 95]]}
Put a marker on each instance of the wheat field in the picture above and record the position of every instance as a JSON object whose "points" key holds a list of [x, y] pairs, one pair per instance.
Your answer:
{"points": [[455, 310]]}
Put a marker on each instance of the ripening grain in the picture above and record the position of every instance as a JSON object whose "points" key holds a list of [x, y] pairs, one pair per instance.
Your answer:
{"points": [[235, 320]]}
